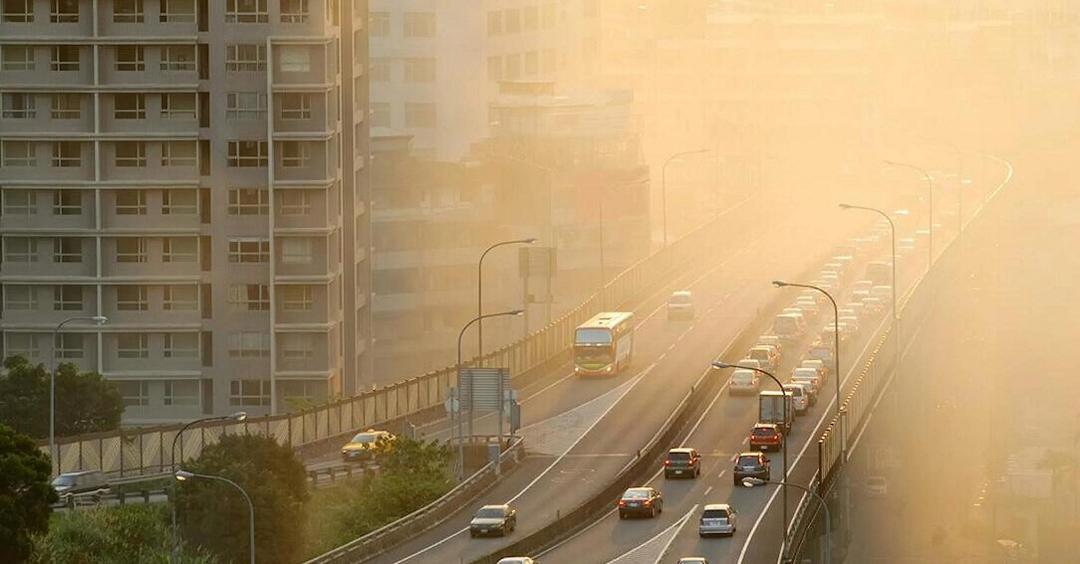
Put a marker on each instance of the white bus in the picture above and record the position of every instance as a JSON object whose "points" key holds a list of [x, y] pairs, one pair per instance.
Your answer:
{"points": [[604, 344]]}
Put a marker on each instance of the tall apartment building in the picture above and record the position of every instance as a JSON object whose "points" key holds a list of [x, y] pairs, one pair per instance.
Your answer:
{"points": [[194, 170]]}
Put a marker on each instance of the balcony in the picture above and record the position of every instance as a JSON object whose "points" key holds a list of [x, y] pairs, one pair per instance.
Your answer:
{"points": [[179, 20], [139, 64], [48, 257], [305, 256], [131, 161], [146, 258], [137, 210], [163, 113], [47, 23], [46, 305], [59, 113], [303, 161], [49, 162], [47, 210], [150, 353], [158, 306], [305, 209], [306, 304], [301, 112], [300, 63], [305, 353]]}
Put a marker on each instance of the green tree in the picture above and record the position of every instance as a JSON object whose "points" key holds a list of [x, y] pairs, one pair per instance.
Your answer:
{"points": [[215, 516], [85, 401], [128, 534], [25, 494]]}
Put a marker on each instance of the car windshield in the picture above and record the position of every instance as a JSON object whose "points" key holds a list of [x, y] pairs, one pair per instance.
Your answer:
{"points": [[679, 299], [748, 460], [592, 337], [678, 456], [489, 512], [636, 494], [365, 438], [64, 481], [714, 514]]}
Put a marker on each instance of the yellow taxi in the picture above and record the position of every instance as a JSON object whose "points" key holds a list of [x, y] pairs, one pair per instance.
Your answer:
{"points": [[366, 445]]}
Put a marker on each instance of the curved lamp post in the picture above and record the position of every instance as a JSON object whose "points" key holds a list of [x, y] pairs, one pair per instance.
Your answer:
{"points": [[892, 231], [98, 320], [721, 365], [750, 482], [480, 289], [930, 190], [663, 183], [184, 475]]}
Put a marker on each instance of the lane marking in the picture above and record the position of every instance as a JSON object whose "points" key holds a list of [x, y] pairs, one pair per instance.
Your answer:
{"points": [[667, 545], [721, 474], [709, 489]]}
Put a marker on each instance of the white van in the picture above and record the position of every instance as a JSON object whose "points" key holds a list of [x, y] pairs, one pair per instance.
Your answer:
{"points": [[789, 326]]}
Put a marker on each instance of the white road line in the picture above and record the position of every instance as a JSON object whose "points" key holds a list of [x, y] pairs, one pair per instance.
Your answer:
{"points": [[667, 545], [721, 474], [745, 440], [709, 489]]}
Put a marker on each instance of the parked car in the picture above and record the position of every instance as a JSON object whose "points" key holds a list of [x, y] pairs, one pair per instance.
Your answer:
{"points": [[644, 500], [717, 519], [680, 305], [497, 520], [766, 436], [682, 462], [367, 445], [751, 465]]}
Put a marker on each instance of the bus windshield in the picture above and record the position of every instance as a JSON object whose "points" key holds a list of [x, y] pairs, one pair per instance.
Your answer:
{"points": [[591, 355], [592, 337]]}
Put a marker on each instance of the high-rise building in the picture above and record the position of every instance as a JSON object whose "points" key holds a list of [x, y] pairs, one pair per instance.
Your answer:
{"points": [[195, 171]]}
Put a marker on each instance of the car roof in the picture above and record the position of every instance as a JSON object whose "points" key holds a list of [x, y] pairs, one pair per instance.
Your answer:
{"points": [[80, 473], [496, 506], [751, 453], [709, 506], [681, 449], [681, 293], [766, 425]]}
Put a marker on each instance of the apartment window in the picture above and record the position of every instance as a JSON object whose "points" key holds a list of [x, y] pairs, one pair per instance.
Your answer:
{"points": [[129, 106], [127, 11], [246, 251], [20, 298], [246, 11], [247, 393], [379, 24], [379, 70], [295, 106], [547, 15], [69, 345], [179, 249], [296, 298], [18, 153], [66, 106], [548, 61], [419, 24], [181, 298], [178, 153], [512, 70], [131, 249], [67, 298], [295, 154], [532, 18], [64, 11], [295, 58], [296, 251], [181, 345], [132, 298], [130, 58], [18, 11], [65, 58], [245, 105], [19, 105], [494, 22], [244, 154], [297, 346], [532, 63], [494, 68], [131, 202], [380, 114], [245, 57], [130, 154], [135, 393], [177, 58], [20, 249], [248, 201], [512, 20], [66, 154], [419, 115], [179, 202], [67, 202], [180, 392], [294, 11], [249, 344], [17, 58], [133, 345], [67, 249], [20, 202], [249, 297], [178, 106], [419, 70], [177, 11], [294, 202], [25, 345]]}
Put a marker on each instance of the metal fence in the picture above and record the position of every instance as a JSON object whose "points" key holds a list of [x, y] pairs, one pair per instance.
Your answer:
{"points": [[141, 450]]}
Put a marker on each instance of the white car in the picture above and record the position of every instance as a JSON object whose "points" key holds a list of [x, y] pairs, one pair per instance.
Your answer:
{"points": [[858, 309], [744, 382], [716, 519], [800, 399], [770, 341], [905, 246], [789, 326], [817, 364], [883, 292], [680, 305], [808, 305], [851, 321], [517, 560], [874, 305], [766, 355], [809, 375]]}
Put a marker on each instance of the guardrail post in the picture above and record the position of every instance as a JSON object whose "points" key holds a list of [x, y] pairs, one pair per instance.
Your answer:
{"points": [[146, 496]]}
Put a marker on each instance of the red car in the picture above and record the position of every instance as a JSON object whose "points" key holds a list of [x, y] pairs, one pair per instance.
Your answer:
{"points": [[766, 436]]}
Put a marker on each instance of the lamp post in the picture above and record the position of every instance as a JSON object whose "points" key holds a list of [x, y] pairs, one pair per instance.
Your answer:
{"points": [[751, 482], [461, 446], [183, 475], [721, 365], [892, 231], [238, 416], [98, 320], [930, 190], [663, 184], [480, 289], [836, 331]]}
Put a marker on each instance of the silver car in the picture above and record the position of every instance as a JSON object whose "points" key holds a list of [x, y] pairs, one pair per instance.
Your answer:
{"points": [[717, 519]]}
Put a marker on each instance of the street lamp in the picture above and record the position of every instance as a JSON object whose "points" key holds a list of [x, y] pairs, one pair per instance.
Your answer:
{"points": [[750, 482], [663, 184], [930, 189], [892, 230], [480, 289], [721, 365], [836, 330], [183, 475], [461, 437], [238, 416], [98, 320]]}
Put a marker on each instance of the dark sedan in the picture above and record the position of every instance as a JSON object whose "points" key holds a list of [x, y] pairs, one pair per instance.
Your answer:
{"points": [[497, 520], [641, 501]]}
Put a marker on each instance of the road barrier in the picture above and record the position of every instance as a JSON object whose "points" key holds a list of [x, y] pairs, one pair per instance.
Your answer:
{"points": [[147, 450]]}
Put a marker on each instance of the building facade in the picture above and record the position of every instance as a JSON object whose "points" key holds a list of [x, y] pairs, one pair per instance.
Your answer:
{"points": [[194, 171]]}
